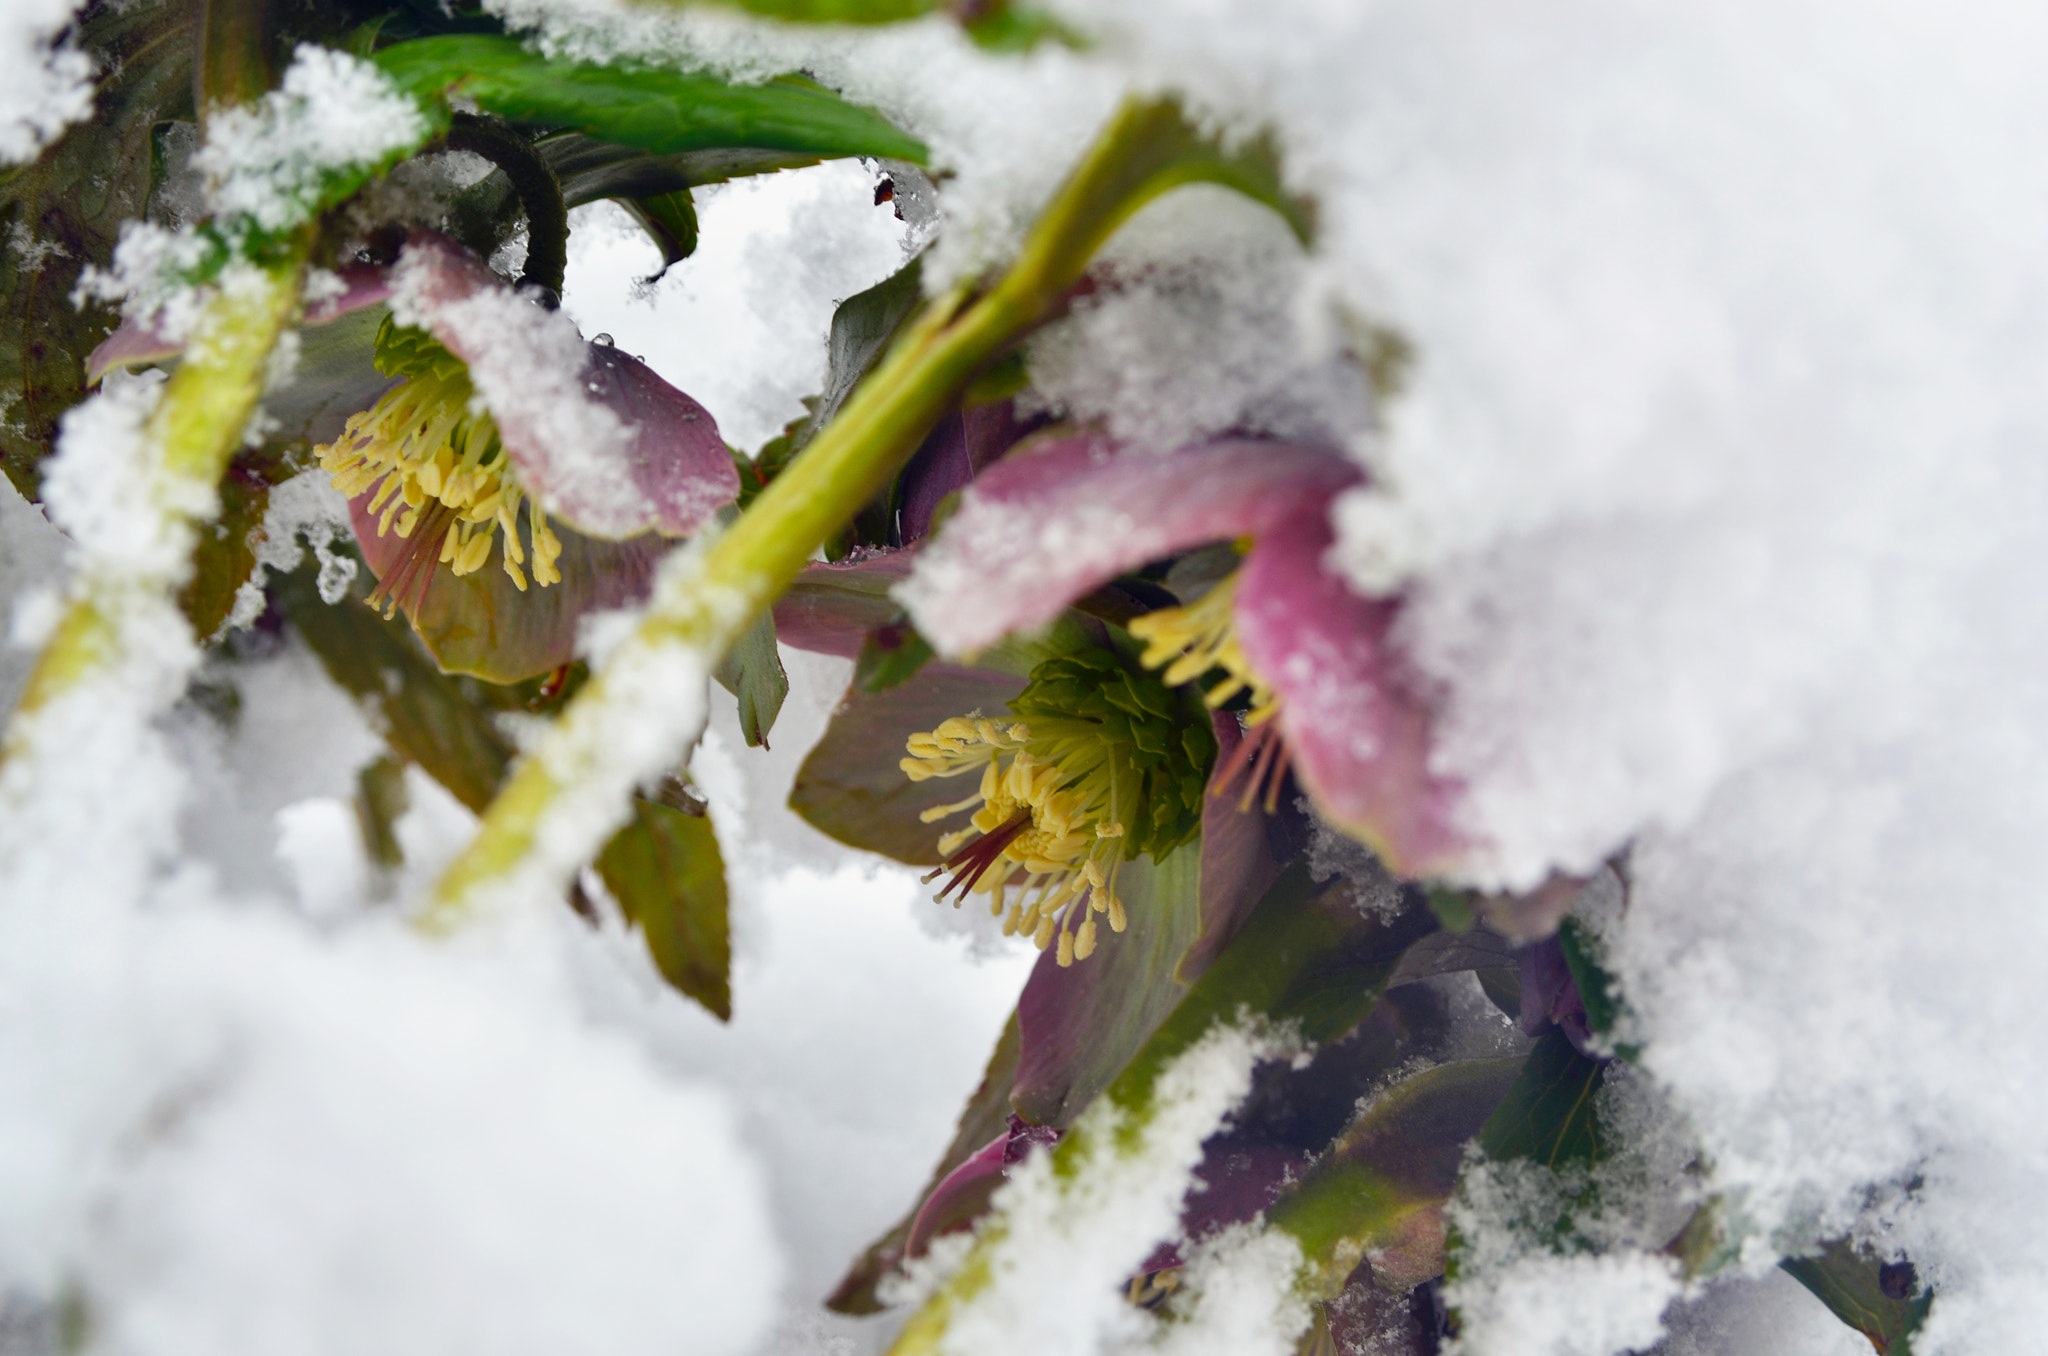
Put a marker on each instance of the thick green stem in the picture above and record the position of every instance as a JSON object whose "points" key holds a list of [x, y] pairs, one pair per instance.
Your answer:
{"points": [[878, 428], [194, 431]]}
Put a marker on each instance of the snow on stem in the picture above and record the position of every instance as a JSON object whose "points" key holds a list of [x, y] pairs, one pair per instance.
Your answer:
{"points": [[136, 538], [625, 726]]}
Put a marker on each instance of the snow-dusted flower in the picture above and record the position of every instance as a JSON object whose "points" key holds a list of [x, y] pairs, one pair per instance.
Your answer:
{"points": [[1061, 517], [507, 437], [1102, 763]]}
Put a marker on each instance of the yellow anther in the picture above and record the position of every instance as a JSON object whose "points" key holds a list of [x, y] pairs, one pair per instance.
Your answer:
{"points": [[1199, 638], [1084, 940], [426, 442]]}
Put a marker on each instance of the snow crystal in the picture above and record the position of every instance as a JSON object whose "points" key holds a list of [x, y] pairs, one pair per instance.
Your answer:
{"points": [[106, 487], [32, 555], [1565, 1306], [45, 85], [332, 113], [305, 507]]}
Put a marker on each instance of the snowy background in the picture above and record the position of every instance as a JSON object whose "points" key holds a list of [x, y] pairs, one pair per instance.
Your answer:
{"points": [[1716, 479]]}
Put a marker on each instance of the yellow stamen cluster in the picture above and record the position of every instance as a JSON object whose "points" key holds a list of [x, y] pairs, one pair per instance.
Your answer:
{"points": [[1191, 641], [429, 444], [1063, 861]]}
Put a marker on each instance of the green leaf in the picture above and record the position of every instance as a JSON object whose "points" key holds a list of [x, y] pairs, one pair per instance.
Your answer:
{"points": [[1400, 1157], [892, 654], [665, 870], [1853, 1286], [380, 799], [1083, 1022], [650, 109], [1547, 1117], [850, 786], [986, 1115], [65, 211], [1598, 989], [838, 11], [752, 672], [862, 327], [670, 220], [428, 717]]}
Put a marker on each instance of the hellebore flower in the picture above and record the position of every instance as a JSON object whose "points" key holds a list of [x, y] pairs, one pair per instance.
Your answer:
{"points": [[502, 406], [500, 433], [1060, 517]]}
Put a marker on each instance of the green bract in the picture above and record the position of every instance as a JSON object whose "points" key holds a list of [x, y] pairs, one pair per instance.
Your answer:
{"points": [[1151, 734]]}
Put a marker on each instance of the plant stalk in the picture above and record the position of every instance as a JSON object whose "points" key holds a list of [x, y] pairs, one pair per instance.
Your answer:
{"points": [[882, 423]]}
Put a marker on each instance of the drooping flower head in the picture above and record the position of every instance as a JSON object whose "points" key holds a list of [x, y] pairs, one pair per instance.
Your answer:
{"points": [[1101, 762], [436, 475], [507, 437], [1310, 660]]}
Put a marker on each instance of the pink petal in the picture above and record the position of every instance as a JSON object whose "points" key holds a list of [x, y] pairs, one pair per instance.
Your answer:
{"points": [[1060, 516], [832, 607], [146, 340], [362, 286], [135, 342], [598, 437], [1357, 730]]}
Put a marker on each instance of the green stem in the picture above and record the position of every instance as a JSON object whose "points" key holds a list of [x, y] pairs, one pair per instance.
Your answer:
{"points": [[1140, 154], [193, 433]]}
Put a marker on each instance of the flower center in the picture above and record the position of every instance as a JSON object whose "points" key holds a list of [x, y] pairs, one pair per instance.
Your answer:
{"points": [[1201, 638], [1107, 765], [438, 476]]}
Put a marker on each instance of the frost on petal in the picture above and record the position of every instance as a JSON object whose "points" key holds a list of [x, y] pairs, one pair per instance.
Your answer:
{"points": [[481, 624], [1357, 732], [1058, 517], [598, 438]]}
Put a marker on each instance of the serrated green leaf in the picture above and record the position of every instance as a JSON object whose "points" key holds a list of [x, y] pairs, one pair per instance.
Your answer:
{"points": [[654, 110], [1852, 1285], [665, 870], [752, 672]]}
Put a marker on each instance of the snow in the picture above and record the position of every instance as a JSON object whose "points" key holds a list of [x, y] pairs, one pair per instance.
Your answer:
{"points": [[1715, 492], [45, 83], [740, 325], [1060, 1240], [332, 113]]}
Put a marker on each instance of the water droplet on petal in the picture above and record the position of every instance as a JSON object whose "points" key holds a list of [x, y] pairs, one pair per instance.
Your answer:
{"points": [[601, 338]]}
